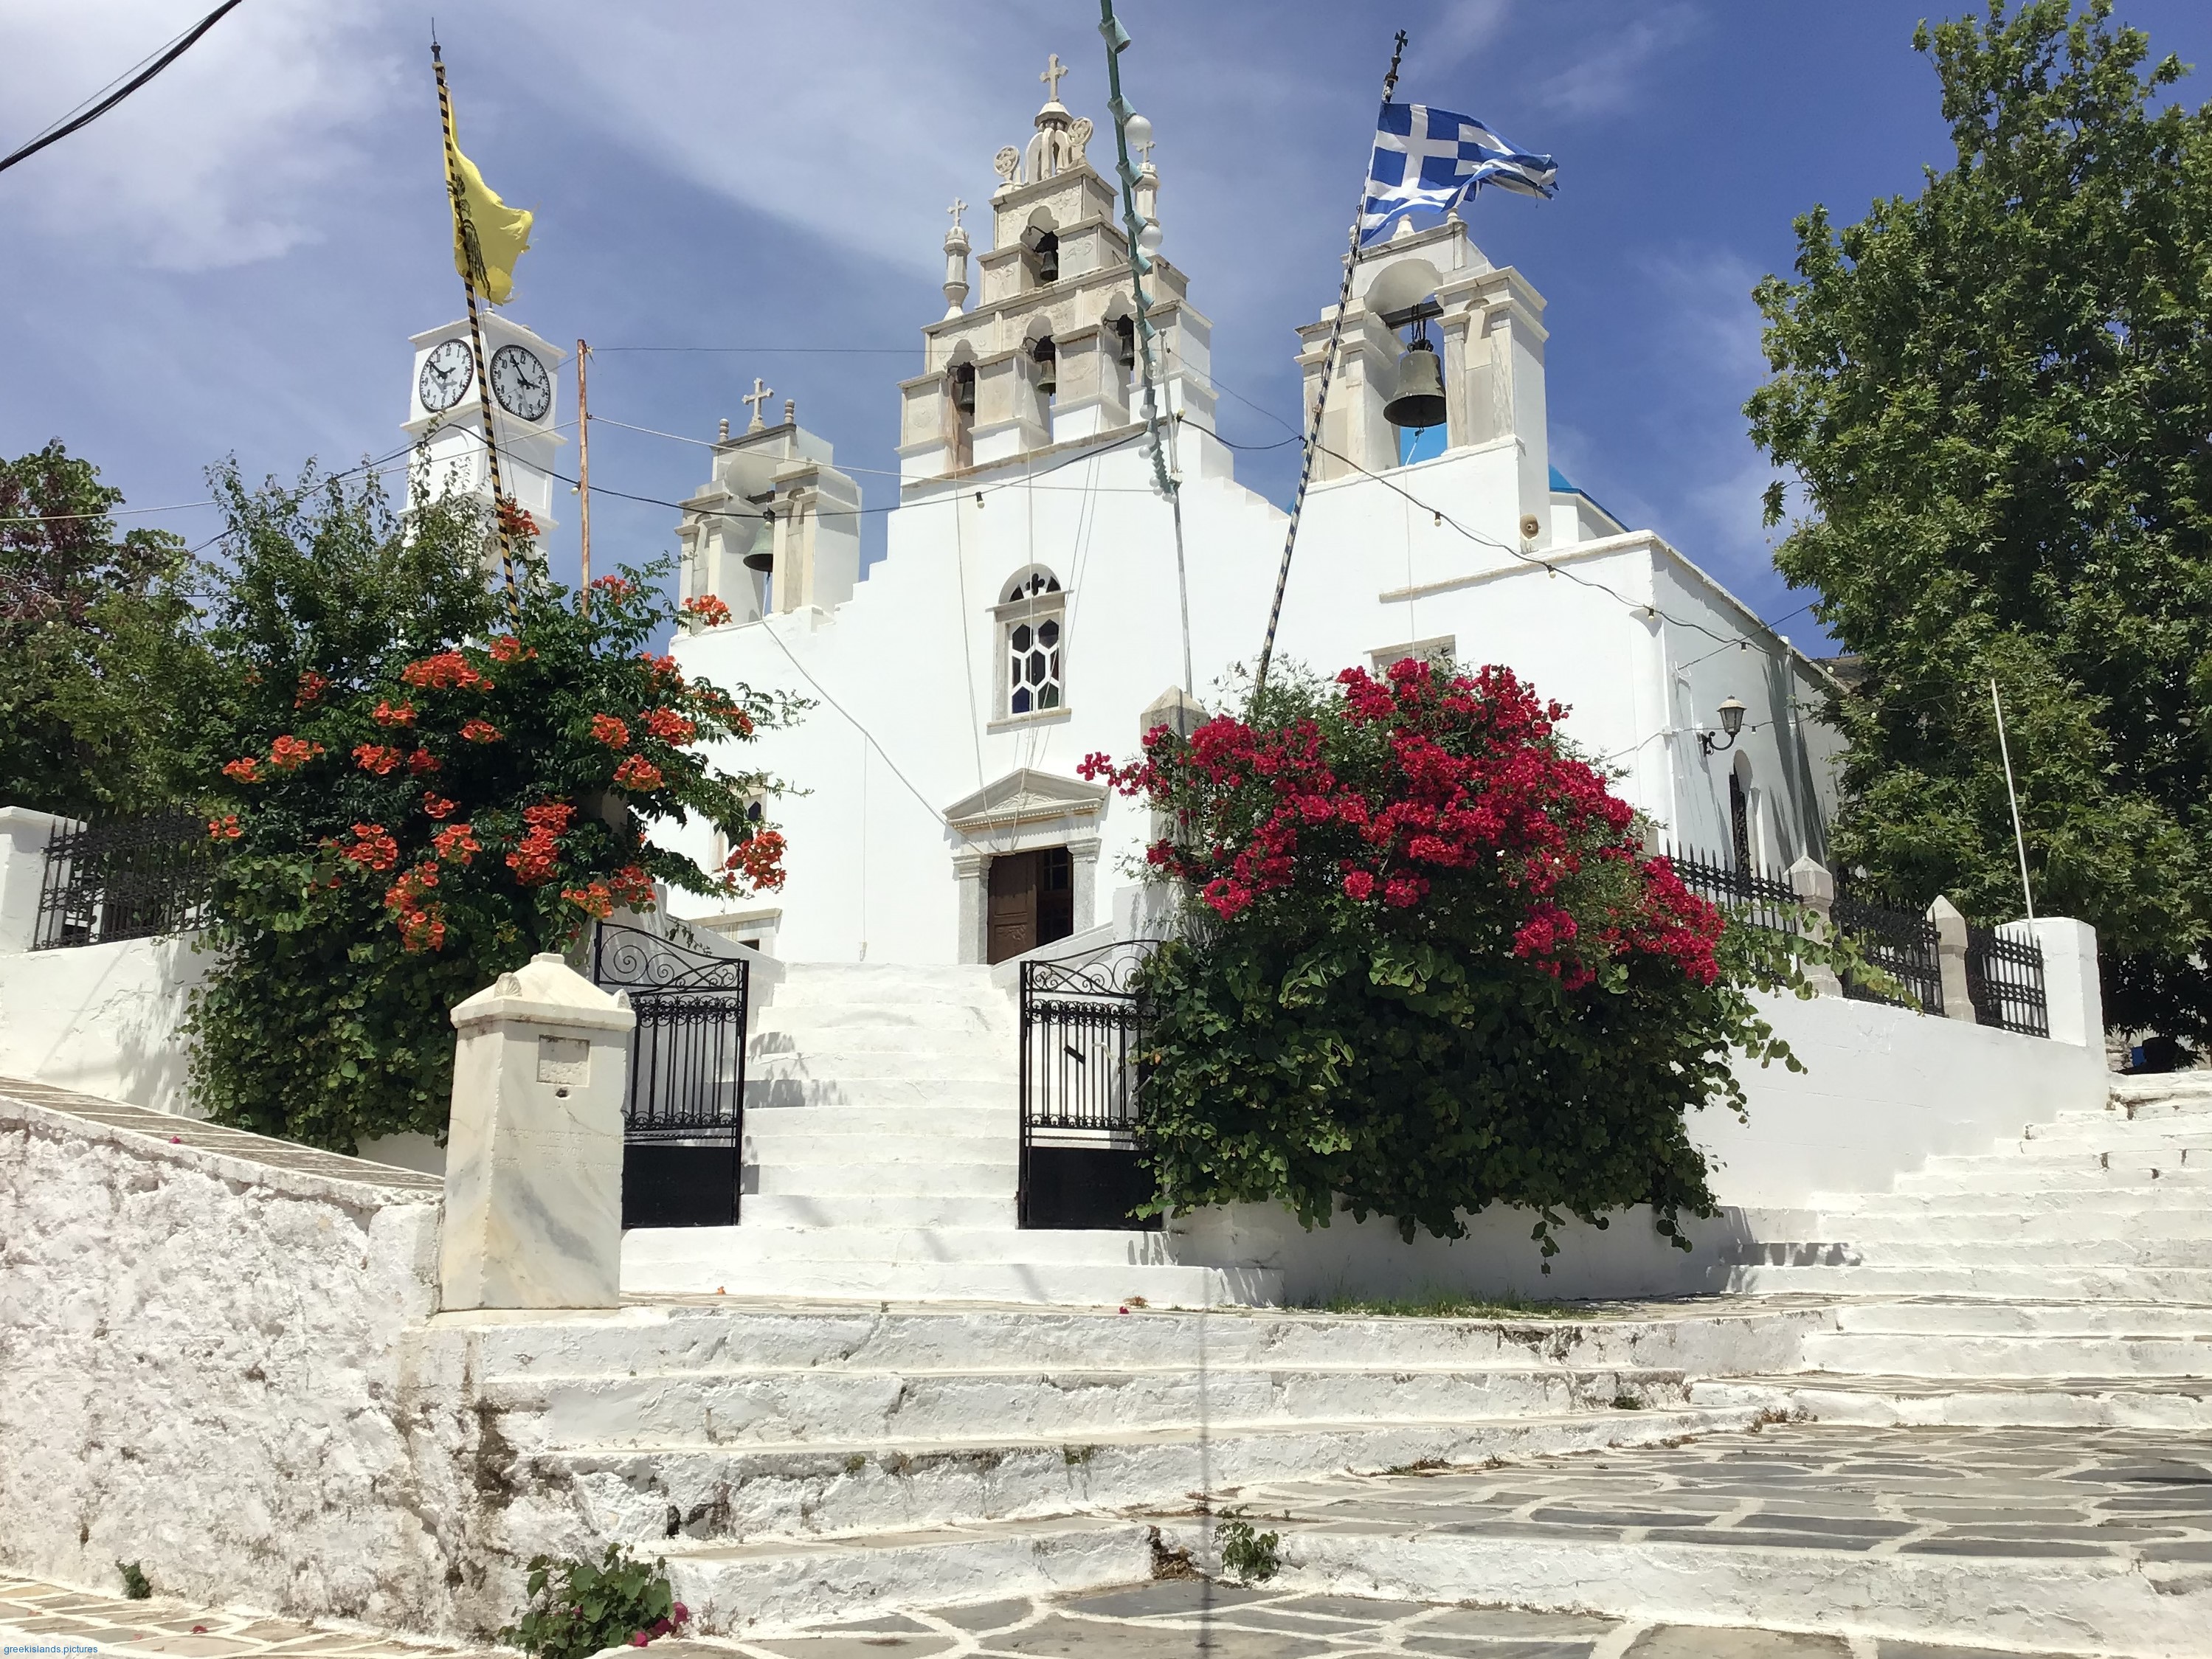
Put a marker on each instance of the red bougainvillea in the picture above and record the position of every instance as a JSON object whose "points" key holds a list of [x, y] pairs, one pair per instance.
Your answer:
{"points": [[1429, 964]]}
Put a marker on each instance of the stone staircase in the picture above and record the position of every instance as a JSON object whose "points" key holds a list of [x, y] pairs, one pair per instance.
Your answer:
{"points": [[881, 1162], [793, 1463], [2064, 1279]]}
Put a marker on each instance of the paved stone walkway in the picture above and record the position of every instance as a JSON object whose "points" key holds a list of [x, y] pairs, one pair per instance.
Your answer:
{"points": [[2136, 1496], [1178, 1617], [39, 1619]]}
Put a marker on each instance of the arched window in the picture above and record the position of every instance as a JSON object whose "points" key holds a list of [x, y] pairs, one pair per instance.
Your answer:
{"points": [[1740, 814], [1032, 631]]}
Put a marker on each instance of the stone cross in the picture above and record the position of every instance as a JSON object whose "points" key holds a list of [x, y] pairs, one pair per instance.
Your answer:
{"points": [[1145, 153], [958, 208], [760, 394], [1054, 70]]}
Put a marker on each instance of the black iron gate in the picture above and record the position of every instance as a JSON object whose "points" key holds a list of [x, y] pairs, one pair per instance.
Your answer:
{"points": [[683, 1121], [1083, 1031]]}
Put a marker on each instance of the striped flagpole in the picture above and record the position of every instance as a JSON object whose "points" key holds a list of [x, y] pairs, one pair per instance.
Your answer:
{"points": [[1321, 399], [474, 261]]}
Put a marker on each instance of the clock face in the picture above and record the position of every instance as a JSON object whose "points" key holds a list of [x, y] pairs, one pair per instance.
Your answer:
{"points": [[520, 383], [447, 373]]}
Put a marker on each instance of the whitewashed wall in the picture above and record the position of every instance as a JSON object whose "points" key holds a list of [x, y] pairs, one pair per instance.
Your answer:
{"points": [[211, 1369], [102, 1018]]}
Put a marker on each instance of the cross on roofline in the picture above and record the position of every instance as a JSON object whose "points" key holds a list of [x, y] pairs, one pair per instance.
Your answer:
{"points": [[760, 394], [1054, 70], [958, 208]]}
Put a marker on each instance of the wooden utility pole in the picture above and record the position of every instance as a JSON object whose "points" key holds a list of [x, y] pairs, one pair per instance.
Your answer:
{"points": [[584, 476], [472, 263]]}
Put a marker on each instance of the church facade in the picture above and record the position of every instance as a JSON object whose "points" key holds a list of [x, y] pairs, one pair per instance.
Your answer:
{"points": [[1032, 606]]}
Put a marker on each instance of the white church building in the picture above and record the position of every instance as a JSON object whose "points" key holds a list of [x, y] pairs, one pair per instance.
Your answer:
{"points": [[1029, 608]]}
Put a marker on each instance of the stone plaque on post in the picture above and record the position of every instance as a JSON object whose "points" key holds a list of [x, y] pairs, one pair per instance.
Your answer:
{"points": [[534, 1151]]}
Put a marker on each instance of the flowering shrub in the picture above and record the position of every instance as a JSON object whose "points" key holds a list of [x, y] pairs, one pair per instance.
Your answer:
{"points": [[1430, 966], [369, 884], [578, 1607]]}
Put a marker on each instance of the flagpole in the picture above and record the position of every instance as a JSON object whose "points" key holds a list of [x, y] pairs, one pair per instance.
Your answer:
{"points": [[1169, 483], [472, 261], [1321, 399], [584, 478], [2019, 836]]}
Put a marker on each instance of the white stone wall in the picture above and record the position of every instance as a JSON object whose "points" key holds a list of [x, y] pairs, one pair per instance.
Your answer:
{"points": [[101, 1018], [215, 1366]]}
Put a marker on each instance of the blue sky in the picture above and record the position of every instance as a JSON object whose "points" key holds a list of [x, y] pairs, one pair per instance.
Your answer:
{"points": [[233, 261]]}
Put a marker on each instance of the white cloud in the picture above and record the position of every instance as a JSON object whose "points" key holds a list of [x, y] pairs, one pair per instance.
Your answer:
{"points": [[227, 157], [1610, 78], [1460, 29]]}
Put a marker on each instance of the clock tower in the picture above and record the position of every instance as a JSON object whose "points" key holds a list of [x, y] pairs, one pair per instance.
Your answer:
{"points": [[445, 413]]}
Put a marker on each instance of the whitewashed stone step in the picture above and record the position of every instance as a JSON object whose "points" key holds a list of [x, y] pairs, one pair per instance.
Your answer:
{"points": [[719, 1333], [891, 1062], [2138, 1134], [2150, 1088], [2038, 1354], [2183, 1405], [945, 1020], [868, 1210], [795, 1410], [2076, 1254], [2058, 1319], [2192, 1284], [740, 1493], [933, 1094], [800, 1143], [2068, 1224], [2078, 1172], [2056, 1200], [889, 1178]]}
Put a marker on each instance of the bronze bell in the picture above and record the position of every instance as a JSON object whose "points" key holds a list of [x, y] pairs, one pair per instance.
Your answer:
{"points": [[762, 557], [1420, 399]]}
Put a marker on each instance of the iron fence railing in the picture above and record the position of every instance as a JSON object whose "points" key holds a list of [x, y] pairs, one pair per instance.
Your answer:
{"points": [[684, 1116], [2004, 981], [1902, 943], [118, 879], [1761, 900], [1084, 1025]]}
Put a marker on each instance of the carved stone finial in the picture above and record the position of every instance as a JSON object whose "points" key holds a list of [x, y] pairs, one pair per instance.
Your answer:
{"points": [[791, 411], [760, 393], [1005, 164], [1054, 70], [723, 436]]}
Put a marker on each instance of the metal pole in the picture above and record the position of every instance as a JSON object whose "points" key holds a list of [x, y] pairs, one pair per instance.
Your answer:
{"points": [[472, 262], [584, 478], [1321, 399], [1139, 264], [2019, 840]]}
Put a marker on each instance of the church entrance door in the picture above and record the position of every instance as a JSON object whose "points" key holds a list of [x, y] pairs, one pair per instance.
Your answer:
{"points": [[1032, 898]]}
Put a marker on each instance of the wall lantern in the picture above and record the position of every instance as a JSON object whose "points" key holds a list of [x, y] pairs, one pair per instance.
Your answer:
{"points": [[1731, 713]]}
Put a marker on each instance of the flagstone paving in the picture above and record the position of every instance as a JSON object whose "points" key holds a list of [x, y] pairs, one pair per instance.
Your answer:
{"points": [[1178, 1617], [43, 1621], [2136, 1496]]}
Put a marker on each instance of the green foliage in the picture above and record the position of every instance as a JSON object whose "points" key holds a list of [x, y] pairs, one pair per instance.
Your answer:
{"points": [[136, 1586], [1253, 1557], [1449, 1304], [1431, 968], [1997, 395], [417, 786], [578, 1607], [93, 639]]}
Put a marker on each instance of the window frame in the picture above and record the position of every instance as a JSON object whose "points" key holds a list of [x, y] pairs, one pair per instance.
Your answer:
{"points": [[1031, 609]]}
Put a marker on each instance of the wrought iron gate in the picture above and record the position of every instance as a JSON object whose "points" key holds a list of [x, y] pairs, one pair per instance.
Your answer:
{"points": [[1083, 1030], [683, 1121]]}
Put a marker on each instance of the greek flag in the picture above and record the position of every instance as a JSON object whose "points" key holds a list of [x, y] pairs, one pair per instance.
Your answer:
{"points": [[1430, 158]]}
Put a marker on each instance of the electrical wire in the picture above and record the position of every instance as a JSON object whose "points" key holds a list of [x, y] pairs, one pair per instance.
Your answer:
{"points": [[55, 134]]}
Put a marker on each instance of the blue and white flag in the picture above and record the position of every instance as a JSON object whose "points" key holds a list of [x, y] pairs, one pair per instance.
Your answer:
{"points": [[1430, 158]]}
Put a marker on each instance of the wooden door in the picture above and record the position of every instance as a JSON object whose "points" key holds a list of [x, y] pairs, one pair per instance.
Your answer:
{"points": [[1013, 901]]}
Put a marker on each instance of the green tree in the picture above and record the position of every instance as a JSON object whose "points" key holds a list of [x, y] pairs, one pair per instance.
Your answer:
{"points": [[95, 638], [416, 785], [1997, 396]]}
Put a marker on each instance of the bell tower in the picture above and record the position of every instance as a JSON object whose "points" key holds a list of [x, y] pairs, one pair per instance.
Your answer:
{"points": [[777, 526], [1046, 355]]}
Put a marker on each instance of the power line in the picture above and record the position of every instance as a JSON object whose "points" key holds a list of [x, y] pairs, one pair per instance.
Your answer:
{"points": [[183, 43]]}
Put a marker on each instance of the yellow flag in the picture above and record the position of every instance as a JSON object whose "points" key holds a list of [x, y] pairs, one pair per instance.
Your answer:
{"points": [[503, 233]]}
